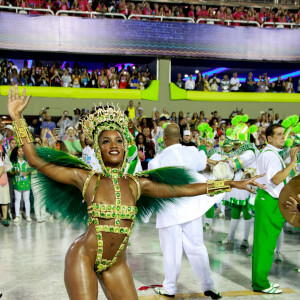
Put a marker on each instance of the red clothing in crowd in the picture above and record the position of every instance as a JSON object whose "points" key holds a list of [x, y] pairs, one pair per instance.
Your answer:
{"points": [[261, 17], [34, 4], [191, 14], [146, 11], [83, 5]]}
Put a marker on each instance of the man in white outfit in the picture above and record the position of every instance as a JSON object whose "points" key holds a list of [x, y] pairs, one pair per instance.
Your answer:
{"points": [[180, 226]]}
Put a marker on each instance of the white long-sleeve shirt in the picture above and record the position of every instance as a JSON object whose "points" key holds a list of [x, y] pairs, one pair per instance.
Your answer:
{"points": [[190, 208], [270, 163]]}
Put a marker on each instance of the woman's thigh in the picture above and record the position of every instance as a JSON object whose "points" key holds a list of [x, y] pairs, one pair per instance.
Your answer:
{"points": [[80, 277], [117, 282]]}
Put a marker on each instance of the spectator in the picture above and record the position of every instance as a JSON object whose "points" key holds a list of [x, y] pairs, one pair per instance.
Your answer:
{"points": [[186, 140], [47, 126], [276, 119], [103, 80], [194, 120], [214, 83], [64, 123], [173, 118], [114, 82], [72, 143], [64, 5], [190, 83], [199, 84], [94, 80], [234, 83], [66, 79], [155, 116], [4, 76], [206, 84], [278, 85], [14, 77], [182, 125], [85, 78], [225, 84], [56, 80], [123, 78], [131, 110], [289, 87], [165, 114], [191, 13], [261, 86], [8, 135], [44, 79], [157, 133], [21, 182], [134, 82], [179, 81], [250, 83], [76, 79]]}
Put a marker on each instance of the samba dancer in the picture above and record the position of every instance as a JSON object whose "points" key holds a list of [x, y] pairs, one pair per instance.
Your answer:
{"points": [[110, 198]]}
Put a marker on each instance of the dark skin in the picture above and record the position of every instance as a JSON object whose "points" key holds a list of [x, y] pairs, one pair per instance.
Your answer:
{"points": [[80, 278]]}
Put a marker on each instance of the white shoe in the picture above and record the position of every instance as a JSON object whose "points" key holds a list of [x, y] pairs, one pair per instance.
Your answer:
{"points": [[162, 291], [245, 244], [50, 218], [17, 220], [278, 258], [43, 218], [39, 219], [221, 215], [272, 290], [274, 285], [226, 241], [28, 219]]}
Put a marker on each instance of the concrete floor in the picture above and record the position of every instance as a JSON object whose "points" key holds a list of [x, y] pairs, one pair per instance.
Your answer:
{"points": [[32, 263]]}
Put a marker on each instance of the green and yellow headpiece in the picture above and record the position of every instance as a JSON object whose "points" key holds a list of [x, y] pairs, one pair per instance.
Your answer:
{"points": [[240, 132], [104, 118]]}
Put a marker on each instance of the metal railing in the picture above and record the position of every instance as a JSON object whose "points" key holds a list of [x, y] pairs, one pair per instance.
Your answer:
{"points": [[18, 9], [280, 24], [228, 22], [161, 18], [91, 14]]}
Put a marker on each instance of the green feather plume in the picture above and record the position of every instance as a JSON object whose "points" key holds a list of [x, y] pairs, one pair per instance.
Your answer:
{"points": [[57, 197], [245, 118], [169, 175], [228, 131], [289, 142]]}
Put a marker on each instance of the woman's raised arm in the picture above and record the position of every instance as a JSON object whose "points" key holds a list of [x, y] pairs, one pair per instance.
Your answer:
{"points": [[16, 106]]}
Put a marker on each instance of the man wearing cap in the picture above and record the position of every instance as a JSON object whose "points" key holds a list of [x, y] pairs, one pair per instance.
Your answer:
{"points": [[268, 219], [180, 226], [8, 135], [186, 141]]}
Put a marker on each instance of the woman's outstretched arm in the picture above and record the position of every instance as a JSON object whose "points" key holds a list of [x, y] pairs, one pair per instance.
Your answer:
{"points": [[160, 190], [72, 176]]}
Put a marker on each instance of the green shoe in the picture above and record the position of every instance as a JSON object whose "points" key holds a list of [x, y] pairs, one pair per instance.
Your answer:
{"points": [[5, 223]]}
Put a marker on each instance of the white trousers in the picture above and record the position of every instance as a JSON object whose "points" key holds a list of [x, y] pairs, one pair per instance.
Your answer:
{"points": [[18, 197], [188, 237], [39, 208]]}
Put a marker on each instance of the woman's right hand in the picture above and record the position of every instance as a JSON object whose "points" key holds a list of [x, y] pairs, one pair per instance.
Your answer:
{"points": [[16, 104]]}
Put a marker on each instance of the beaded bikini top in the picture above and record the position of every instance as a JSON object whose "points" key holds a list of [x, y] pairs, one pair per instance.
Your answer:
{"points": [[117, 211]]}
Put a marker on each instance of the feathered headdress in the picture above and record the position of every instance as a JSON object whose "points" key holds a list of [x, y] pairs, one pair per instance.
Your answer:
{"points": [[240, 132], [104, 118], [290, 125], [206, 132]]}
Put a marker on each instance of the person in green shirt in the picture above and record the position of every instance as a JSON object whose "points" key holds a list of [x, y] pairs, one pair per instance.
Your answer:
{"points": [[21, 182]]}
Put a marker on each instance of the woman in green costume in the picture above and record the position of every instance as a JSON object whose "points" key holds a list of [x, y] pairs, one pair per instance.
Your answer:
{"points": [[112, 199]]}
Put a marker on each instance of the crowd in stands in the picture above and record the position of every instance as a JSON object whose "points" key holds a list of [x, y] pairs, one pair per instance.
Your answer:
{"points": [[222, 13], [58, 76], [215, 84], [65, 135]]}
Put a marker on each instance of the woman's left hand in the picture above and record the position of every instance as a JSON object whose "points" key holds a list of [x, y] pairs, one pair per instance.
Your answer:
{"points": [[244, 184]]}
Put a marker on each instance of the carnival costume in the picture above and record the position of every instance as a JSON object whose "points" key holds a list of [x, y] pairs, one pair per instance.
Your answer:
{"points": [[243, 162], [70, 204]]}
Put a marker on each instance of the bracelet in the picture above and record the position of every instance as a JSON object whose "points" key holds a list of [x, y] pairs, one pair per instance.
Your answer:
{"points": [[215, 187], [22, 132]]}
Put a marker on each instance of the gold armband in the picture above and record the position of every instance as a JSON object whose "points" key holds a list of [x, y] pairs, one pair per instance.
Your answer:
{"points": [[215, 187], [22, 132]]}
